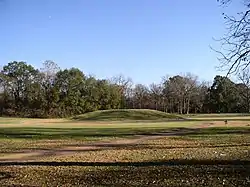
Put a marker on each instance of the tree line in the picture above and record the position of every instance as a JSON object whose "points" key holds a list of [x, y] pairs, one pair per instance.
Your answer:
{"points": [[53, 92]]}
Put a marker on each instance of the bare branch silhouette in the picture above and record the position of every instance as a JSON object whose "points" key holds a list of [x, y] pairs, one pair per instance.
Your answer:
{"points": [[235, 52]]}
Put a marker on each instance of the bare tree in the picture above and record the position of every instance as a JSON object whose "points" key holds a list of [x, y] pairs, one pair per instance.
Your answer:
{"points": [[141, 95], [1, 80], [174, 91], [47, 78], [49, 70], [121, 80], [234, 55], [244, 87], [179, 91], [190, 90], [167, 100], [125, 84], [156, 93]]}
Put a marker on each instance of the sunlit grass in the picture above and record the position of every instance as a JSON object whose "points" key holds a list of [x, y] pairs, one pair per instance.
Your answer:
{"points": [[189, 160], [195, 153]]}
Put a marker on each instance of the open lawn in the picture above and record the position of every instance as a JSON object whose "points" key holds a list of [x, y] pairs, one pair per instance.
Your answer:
{"points": [[65, 152]]}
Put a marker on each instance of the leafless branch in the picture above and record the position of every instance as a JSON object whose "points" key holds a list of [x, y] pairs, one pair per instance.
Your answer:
{"points": [[236, 43]]}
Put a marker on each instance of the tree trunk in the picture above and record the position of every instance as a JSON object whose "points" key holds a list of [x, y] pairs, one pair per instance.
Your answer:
{"points": [[184, 105], [188, 106]]}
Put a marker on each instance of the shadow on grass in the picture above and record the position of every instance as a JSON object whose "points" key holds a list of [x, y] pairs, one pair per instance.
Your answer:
{"points": [[155, 173], [5, 175], [167, 175], [135, 164], [73, 148], [154, 146], [61, 133]]}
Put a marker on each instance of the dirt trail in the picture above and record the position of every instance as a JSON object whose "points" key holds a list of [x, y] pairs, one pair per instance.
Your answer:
{"points": [[31, 155]]}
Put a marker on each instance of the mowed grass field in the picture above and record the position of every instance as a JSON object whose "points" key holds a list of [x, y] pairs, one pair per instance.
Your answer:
{"points": [[189, 150]]}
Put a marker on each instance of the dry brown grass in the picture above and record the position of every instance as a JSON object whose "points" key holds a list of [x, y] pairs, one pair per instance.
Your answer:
{"points": [[190, 150], [203, 157]]}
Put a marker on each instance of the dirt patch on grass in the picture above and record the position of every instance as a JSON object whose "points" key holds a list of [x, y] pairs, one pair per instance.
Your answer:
{"points": [[169, 161], [29, 155], [67, 150], [217, 160], [62, 149]]}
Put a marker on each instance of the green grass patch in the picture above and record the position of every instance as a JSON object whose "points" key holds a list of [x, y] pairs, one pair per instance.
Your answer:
{"points": [[9, 120], [129, 114], [123, 130], [83, 131], [218, 115]]}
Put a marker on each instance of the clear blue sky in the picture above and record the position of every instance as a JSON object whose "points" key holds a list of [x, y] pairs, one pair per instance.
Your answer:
{"points": [[142, 39]]}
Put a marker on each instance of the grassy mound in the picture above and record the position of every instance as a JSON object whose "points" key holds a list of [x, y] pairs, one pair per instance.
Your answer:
{"points": [[128, 114]]}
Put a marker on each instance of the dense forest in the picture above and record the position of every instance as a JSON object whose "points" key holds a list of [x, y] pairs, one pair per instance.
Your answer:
{"points": [[54, 92]]}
